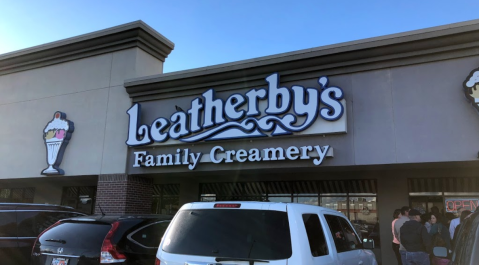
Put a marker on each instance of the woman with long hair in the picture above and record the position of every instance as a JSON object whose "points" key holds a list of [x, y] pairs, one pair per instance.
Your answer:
{"points": [[395, 244], [440, 238]]}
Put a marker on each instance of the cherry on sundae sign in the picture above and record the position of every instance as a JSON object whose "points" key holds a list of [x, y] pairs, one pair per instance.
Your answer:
{"points": [[56, 135], [287, 111]]}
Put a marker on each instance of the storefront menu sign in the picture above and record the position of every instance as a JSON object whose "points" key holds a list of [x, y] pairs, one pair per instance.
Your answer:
{"points": [[452, 204], [287, 111]]}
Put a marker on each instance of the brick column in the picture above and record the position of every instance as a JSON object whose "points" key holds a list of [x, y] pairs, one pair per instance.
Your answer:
{"points": [[123, 194]]}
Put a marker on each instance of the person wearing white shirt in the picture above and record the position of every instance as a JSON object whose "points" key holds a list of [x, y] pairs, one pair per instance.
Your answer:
{"points": [[455, 222]]}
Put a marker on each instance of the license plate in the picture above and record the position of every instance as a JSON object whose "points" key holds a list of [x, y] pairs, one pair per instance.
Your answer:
{"points": [[59, 261]]}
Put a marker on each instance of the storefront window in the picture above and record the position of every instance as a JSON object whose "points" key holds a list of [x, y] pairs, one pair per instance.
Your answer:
{"points": [[248, 191], [447, 194], [335, 203], [306, 200], [22, 195], [81, 198], [166, 199], [306, 192]]}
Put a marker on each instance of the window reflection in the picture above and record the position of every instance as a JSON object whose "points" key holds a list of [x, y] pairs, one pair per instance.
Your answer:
{"points": [[335, 203], [356, 199], [166, 199]]}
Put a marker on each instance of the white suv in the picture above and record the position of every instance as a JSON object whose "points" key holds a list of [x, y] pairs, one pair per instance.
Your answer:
{"points": [[246, 233]]}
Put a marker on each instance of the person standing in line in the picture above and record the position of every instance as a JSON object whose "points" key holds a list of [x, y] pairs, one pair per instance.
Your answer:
{"points": [[425, 220], [416, 240], [439, 216], [440, 238], [395, 244], [455, 222], [397, 230]]}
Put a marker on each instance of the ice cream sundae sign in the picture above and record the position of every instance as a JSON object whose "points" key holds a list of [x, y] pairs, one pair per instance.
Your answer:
{"points": [[261, 112], [56, 135], [471, 86]]}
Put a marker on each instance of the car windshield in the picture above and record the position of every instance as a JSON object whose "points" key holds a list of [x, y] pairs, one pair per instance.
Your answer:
{"points": [[254, 234]]}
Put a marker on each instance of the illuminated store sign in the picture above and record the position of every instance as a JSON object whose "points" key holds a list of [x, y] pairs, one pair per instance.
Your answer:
{"points": [[259, 112], [219, 155], [452, 204]]}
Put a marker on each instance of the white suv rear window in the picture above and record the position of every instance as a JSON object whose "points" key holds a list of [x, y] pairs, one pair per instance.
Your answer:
{"points": [[254, 234]]}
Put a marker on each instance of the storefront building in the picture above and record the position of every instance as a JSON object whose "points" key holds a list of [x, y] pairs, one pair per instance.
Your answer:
{"points": [[362, 127]]}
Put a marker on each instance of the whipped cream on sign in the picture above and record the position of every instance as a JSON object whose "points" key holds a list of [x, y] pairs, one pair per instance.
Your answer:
{"points": [[473, 80], [57, 124]]}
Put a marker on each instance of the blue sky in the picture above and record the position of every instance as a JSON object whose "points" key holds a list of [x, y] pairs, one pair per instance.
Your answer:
{"points": [[208, 32]]}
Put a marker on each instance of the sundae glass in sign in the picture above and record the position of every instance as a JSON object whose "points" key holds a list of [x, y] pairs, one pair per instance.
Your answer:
{"points": [[57, 133]]}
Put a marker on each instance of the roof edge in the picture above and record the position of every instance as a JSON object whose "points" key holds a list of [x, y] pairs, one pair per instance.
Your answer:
{"points": [[415, 43], [129, 35]]}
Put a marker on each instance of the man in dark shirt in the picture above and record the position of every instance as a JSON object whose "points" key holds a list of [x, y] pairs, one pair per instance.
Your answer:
{"points": [[416, 240]]}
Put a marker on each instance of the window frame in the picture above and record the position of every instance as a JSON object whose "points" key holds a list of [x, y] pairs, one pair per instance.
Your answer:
{"points": [[322, 231]]}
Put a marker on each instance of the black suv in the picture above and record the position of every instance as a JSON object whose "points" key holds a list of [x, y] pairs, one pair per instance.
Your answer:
{"points": [[466, 243], [21, 223], [101, 239]]}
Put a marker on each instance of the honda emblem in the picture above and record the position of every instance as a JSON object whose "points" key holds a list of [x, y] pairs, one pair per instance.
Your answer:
{"points": [[60, 250]]}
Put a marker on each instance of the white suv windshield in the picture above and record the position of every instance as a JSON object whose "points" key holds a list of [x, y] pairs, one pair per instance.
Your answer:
{"points": [[254, 234]]}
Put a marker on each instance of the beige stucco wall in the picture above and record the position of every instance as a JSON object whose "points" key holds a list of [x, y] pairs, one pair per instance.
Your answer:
{"points": [[90, 91]]}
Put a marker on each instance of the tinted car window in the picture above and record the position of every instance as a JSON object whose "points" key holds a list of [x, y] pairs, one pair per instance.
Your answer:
{"points": [[32, 223], [76, 235], [150, 236], [317, 241], [337, 232], [350, 235], [231, 233], [8, 224]]}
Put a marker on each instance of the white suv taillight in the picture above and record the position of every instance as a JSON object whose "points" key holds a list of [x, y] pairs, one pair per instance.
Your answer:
{"points": [[109, 254], [157, 261]]}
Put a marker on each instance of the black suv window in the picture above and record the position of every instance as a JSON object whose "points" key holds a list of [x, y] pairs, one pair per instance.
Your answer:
{"points": [[76, 235], [255, 234], [150, 235], [317, 241], [32, 223], [344, 237], [8, 224]]}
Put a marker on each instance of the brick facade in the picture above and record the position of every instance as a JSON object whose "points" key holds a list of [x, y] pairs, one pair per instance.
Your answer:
{"points": [[123, 194]]}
